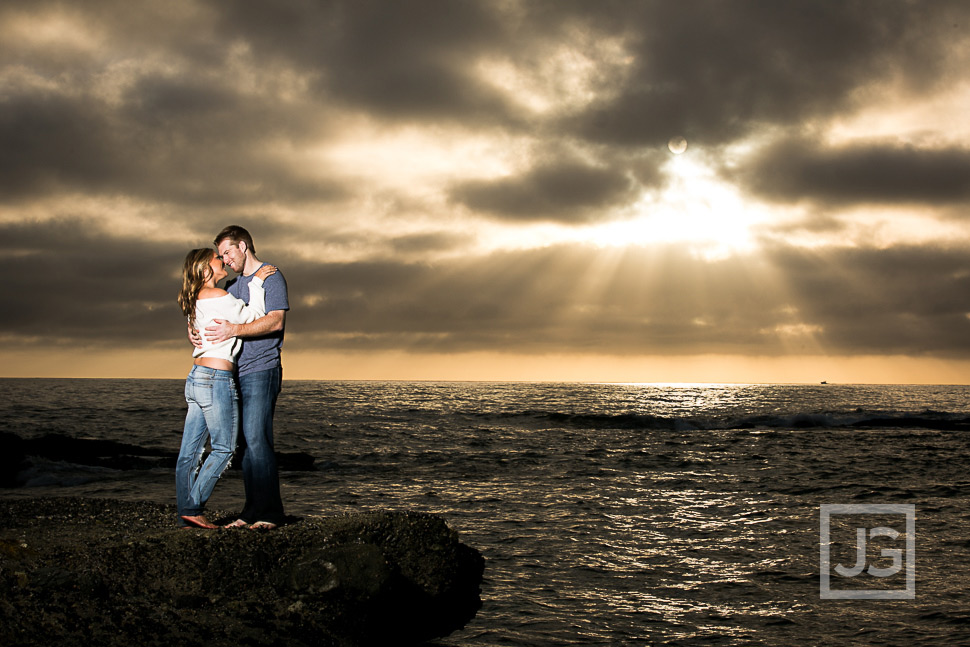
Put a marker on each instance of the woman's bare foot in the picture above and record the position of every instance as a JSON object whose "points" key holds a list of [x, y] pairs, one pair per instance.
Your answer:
{"points": [[263, 525], [199, 521], [238, 523]]}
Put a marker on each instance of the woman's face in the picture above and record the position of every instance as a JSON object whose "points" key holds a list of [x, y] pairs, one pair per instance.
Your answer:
{"points": [[218, 268]]}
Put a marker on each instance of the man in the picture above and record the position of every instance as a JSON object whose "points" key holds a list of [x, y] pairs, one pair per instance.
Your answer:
{"points": [[259, 375]]}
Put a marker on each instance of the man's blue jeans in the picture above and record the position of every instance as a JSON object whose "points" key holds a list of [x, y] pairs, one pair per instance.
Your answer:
{"points": [[213, 414], [258, 392]]}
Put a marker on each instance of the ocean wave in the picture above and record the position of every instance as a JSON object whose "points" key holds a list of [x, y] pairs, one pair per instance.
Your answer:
{"points": [[934, 420]]}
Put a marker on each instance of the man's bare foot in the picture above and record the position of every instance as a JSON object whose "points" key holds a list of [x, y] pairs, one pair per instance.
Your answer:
{"points": [[238, 523], [263, 525], [199, 521]]}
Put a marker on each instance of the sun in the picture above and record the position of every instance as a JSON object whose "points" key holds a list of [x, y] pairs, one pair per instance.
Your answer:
{"points": [[696, 209], [677, 145]]}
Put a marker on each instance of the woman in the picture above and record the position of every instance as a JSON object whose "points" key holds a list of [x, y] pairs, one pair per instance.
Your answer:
{"points": [[210, 389]]}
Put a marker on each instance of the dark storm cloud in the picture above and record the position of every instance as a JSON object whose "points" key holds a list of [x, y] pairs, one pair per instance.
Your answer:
{"points": [[710, 70], [400, 60], [426, 242], [901, 300], [173, 141], [173, 101], [870, 172], [563, 191], [192, 131], [126, 31], [195, 134], [79, 285], [713, 71], [47, 141]]}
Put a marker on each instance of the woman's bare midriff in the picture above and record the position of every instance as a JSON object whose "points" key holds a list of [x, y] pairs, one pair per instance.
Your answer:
{"points": [[214, 362]]}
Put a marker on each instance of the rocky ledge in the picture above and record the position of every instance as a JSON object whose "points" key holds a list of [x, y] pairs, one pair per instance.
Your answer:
{"points": [[102, 572]]}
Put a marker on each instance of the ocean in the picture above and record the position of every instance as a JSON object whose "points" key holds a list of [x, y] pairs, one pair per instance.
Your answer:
{"points": [[608, 514]]}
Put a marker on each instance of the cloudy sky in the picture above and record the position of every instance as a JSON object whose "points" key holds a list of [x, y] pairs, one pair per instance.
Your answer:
{"points": [[496, 189]]}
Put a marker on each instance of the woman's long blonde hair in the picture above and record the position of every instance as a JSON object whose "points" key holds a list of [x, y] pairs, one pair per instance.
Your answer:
{"points": [[195, 272]]}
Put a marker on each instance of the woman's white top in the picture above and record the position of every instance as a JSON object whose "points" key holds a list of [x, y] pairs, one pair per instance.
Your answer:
{"points": [[233, 310]]}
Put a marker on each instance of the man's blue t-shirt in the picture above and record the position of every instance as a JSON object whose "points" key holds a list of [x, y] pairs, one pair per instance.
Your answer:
{"points": [[261, 353]]}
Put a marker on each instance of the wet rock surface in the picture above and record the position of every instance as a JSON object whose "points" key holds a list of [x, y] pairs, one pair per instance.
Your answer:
{"points": [[92, 571]]}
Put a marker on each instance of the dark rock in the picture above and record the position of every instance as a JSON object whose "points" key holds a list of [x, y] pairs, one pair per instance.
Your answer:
{"points": [[91, 571], [87, 451], [11, 458], [291, 461], [15, 453]]}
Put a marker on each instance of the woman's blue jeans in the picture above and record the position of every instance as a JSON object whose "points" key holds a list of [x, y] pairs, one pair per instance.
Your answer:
{"points": [[214, 414]]}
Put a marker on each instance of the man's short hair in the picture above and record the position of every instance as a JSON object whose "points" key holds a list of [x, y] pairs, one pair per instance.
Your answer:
{"points": [[235, 233]]}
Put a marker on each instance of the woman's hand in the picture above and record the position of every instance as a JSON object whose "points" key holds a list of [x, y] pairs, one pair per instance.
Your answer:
{"points": [[195, 337], [265, 270]]}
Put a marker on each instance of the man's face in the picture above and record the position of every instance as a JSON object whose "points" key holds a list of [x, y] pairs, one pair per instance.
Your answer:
{"points": [[232, 255]]}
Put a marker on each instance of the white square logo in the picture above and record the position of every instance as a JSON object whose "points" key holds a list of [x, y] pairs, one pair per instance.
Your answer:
{"points": [[868, 552]]}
